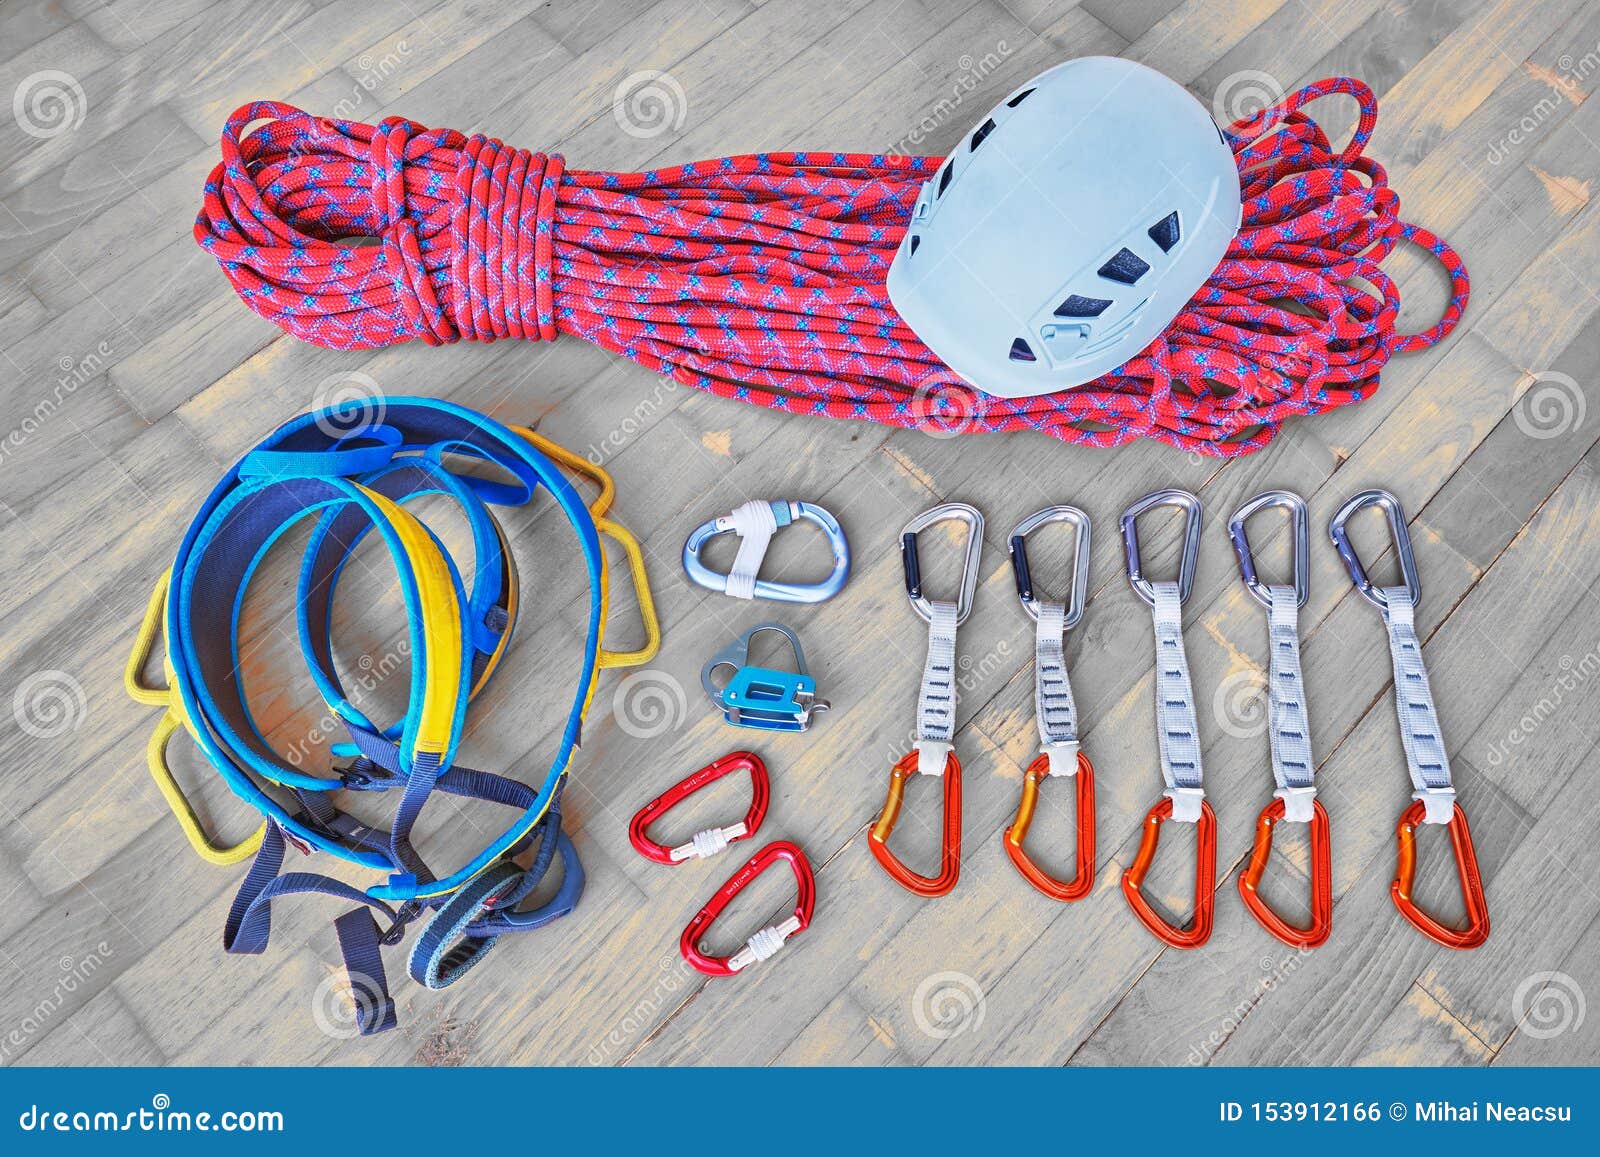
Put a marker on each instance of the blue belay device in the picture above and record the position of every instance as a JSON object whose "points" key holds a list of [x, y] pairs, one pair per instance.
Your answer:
{"points": [[761, 697]]}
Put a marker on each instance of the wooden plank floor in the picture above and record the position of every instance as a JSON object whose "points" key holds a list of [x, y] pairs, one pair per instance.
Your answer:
{"points": [[131, 376]]}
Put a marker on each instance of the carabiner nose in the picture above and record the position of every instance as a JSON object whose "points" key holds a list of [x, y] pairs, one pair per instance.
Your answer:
{"points": [[946, 512], [1079, 521], [1390, 505], [1190, 505], [1299, 526]]}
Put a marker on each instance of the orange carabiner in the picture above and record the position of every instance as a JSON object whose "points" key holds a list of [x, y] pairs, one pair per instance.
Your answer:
{"points": [[1081, 883], [950, 856], [1321, 879], [1205, 877], [1405, 874]]}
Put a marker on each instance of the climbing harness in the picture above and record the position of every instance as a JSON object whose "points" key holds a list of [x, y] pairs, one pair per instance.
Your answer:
{"points": [[1289, 728], [765, 943], [1037, 308], [352, 479], [1184, 799], [767, 278], [755, 523], [711, 841], [762, 697], [933, 752], [1434, 796], [1053, 706]]}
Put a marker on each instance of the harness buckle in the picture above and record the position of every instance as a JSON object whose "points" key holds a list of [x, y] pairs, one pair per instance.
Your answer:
{"points": [[761, 697], [755, 522], [403, 916]]}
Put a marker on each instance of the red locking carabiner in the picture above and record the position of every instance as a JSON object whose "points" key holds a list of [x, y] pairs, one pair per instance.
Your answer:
{"points": [[1081, 884], [766, 942], [1477, 929], [1321, 879], [713, 840], [1205, 877], [950, 853]]}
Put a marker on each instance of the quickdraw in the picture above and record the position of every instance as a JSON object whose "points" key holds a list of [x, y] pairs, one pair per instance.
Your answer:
{"points": [[1289, 729], [355, 477], [1176, 727], [1054, 709], [755, 523], [711, 841], [1434, 795], [933, 753], [765, 943], [761, 697]]}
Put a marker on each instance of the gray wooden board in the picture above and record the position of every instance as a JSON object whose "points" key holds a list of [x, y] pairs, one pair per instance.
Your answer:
{"points": [[133, 375]]}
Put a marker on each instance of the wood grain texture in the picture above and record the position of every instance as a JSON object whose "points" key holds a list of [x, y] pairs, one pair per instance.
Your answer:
{"points": [[132, 375]]}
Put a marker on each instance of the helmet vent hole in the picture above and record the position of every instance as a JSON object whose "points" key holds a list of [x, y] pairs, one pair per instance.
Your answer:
{"points": [[1079, 306], [944, 179], [1019, 98], [915, 241], [1125, 267], [1165, 232], [1022, 352], [980, 133]]}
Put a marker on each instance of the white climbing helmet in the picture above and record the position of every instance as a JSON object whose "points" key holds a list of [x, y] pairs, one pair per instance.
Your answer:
{"points": [[1067, 229]]}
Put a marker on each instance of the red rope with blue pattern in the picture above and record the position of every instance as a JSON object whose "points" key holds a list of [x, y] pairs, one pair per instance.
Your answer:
{"points": [[762, 277]]}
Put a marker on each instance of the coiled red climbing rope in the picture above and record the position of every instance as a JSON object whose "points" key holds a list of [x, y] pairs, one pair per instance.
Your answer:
{"points": [[762, 277]]}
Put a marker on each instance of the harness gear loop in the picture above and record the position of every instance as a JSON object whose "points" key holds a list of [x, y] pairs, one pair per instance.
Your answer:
{"points": [[755, 522], [708, 843], [933, 752], [1177, 727], [763, 945], [1289, 734], [1054, 709], [1427, 762]]}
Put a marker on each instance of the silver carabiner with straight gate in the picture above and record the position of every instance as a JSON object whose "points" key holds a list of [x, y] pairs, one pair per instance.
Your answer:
{"points": [[1079, 521], [946, 512], [1190, 505], [1299, 527], [1390, 505]]}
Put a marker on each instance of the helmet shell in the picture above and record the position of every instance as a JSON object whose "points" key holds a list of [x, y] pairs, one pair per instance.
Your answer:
{"points": [[1068, 229]]}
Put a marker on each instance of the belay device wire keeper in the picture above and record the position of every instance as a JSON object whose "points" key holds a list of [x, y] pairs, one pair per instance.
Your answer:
{"points": [[355, 482], [767, 277]]}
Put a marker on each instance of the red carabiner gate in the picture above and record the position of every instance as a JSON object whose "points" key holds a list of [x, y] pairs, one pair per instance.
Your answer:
{"points": [[1079, 886], [1321, 879], [950, 856], [1477, 929], [766, 942], [1205, 876], [712, 840]]}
